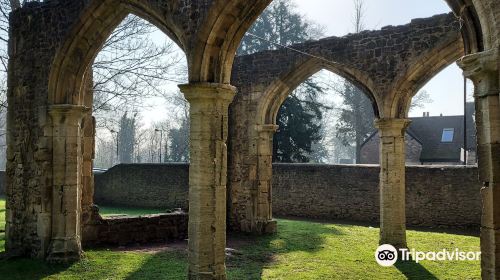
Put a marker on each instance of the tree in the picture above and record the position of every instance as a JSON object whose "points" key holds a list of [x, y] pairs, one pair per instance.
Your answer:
{"points": [[300, 115], [278, 24], [126, 138], [132, 67], [420, 99], [299, 129], [356, 118], [179, 147], [179, 137]]}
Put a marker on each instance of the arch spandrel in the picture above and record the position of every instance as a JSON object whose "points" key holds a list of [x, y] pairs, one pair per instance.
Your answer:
{"points": [[274, 96], [419, 71], [219, 37]]}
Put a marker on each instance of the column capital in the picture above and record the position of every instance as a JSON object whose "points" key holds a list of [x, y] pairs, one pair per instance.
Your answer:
{"points": [[392, 126], [208, 91], [477, 65], [67, 113]]}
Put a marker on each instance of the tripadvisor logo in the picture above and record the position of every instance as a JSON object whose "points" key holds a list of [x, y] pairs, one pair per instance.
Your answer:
{"points": [[387, 255]]}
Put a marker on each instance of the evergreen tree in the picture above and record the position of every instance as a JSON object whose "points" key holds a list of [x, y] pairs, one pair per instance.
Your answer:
{"points": [[126, 138], [299, 129], [281, 24], [356, 118], [300, 116]]}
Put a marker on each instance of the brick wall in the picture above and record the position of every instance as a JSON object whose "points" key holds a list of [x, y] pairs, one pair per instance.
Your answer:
{"points": [[436, 196]]}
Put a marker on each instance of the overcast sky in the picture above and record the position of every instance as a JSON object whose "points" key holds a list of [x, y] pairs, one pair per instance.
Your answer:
{"points": [[446, 89]]}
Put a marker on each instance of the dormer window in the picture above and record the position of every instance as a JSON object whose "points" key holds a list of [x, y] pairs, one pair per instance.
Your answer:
{"points": [[447, 135]]}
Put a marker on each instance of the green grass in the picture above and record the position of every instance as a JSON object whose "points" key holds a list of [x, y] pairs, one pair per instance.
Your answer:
{"points": [[301, 250], [109, 211]]}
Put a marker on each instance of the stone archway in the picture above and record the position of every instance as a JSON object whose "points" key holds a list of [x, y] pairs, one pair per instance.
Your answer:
{"points": [[265, 80], [61, 133], [46, 88]]}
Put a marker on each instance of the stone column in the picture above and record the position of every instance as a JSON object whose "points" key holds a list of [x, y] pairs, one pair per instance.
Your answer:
{"points": [[88, 127], [207, 178], [262, 193], [66, 182], [88, 153], [482, 69], [392, 181]]}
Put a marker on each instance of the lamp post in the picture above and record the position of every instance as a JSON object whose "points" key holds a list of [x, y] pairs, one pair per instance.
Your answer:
{"points": [[117, 154]]}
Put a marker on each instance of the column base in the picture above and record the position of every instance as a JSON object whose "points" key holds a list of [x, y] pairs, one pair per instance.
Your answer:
{"points": [[260, 227], [64, 251]]}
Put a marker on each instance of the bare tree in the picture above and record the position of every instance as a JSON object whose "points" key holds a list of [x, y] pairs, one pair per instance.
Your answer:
{"points": [[134, 66], [359, 15]]}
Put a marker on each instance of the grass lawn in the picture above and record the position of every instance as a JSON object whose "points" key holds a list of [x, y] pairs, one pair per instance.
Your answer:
{"points": [[301, 250]]}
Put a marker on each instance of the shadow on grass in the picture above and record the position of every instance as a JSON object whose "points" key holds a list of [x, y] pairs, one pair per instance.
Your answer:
{"points": [[164, 265], [20, 268], [414, 271], [257, 253], [250, 254]]}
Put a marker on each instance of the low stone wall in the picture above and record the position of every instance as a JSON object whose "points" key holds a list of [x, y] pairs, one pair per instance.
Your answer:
{"points": [[144, 185], [136, 230], [436, 196]]}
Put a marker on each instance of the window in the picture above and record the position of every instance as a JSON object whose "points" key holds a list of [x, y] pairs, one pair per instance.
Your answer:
{"points": [[447, 135]]}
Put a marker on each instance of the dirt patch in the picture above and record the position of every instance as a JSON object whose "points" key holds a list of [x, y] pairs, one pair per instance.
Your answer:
{"points": [[154, 248]]}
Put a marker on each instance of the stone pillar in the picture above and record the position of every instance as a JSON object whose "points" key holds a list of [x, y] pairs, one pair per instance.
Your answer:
{"points": [[66, 183], [482, 69], [207, 178], [88, 151], [262, 192], [392, 181]]}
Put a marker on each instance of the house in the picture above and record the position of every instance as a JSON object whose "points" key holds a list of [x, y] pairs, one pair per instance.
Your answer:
{"points": [[431, 140]]}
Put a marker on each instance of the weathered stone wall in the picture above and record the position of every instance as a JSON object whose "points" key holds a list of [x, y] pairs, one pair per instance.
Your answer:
{"points": [[35, 34], [436, 196], [134, 230], [143, 185]]}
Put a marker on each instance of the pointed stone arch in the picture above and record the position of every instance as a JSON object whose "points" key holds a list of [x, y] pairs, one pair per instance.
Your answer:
{"points": [[84, 41], [276, 93]]}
